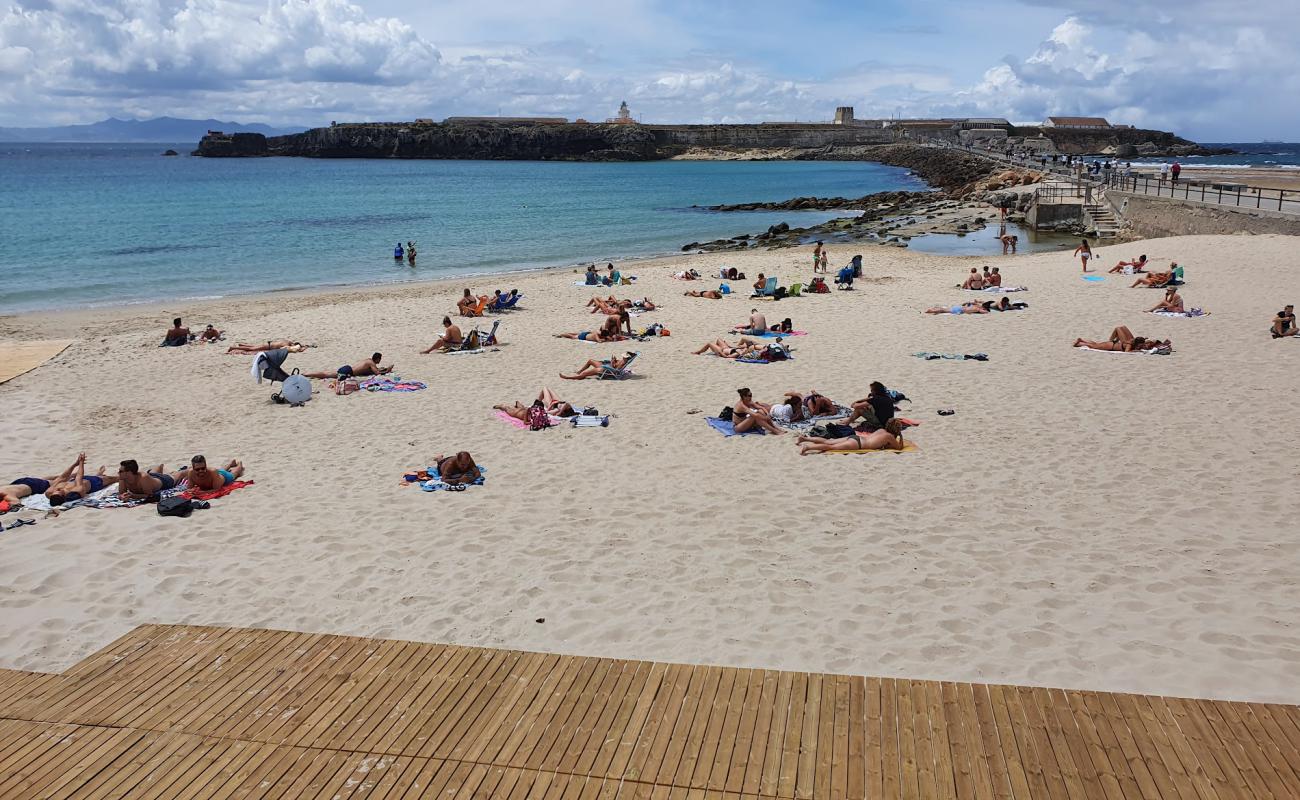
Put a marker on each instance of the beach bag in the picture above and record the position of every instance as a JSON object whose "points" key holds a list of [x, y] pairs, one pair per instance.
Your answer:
{"points": [[538, 419], [725, 414], [774, 353], [780, 292], [836, 431], [174, 507], [347, 386]]}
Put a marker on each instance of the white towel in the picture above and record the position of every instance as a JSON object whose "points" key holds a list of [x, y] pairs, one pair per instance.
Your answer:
{"points": [[256, 371]]}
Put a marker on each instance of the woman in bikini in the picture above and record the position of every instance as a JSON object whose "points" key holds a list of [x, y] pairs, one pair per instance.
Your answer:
{"points": [[818, 405], [712, 294], [609, 332], [595, 367], [1084, 252], [748, 414], [1153, 280], [243, 348], [723, 349], [889, 437], [1173, 302], [1122, 340], [553, 404]]}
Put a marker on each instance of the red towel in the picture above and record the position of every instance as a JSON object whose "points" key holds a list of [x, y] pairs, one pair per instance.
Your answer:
{"points": [[213, 494]]}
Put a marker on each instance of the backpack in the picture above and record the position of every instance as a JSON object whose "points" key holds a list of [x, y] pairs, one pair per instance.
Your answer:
{"points": [[174, 507], [538, 419], [780, 292], [726, 413]]}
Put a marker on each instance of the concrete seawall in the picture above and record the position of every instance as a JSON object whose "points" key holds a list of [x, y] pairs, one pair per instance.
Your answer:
{"points": [[766, 136], [1152, 217]]}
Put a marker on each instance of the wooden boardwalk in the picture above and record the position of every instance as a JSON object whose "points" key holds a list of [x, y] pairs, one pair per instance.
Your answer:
{"points": [[194, 712]]}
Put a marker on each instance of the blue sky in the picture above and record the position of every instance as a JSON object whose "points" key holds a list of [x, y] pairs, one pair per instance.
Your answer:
{"points": [[1208, 70]]}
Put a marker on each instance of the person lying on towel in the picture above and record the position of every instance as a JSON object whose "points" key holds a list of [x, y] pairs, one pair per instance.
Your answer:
{"points": [[1122, 340], [889, 437]]}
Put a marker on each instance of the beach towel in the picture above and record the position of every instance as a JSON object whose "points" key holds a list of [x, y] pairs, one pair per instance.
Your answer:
{"points": [[114, 500], [391, 385], [1159, 351], [908, 447], [788, 357], [808, 422], [473, 352], [586, 421], [520, 424], [726, 428], [39, 502], [928, 356], [774, 334], [213, 494], [1004, 289], [1093, 278], [1191, 312], [435, 484]]}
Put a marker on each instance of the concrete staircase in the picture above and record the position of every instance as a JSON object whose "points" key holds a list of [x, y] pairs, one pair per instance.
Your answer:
{"points": [[1103, 220]]}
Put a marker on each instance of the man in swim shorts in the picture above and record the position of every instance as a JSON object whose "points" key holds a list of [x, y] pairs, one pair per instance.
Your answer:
{"points": [[451, 338], [200, 477], [134, 485], [757, 325], [366, 368], [18, 488], [78, 485], [177, 335]]}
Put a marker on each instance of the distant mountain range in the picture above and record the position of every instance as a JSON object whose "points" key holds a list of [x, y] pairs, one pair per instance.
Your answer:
{"points": [[162, 130]]}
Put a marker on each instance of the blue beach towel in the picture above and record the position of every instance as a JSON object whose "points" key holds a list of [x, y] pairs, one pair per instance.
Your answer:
{"points": [[1093, 278], [435, 483], [725, 428]]}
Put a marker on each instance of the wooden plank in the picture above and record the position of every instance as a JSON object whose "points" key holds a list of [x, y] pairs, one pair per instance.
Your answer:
{"points": [[839, 783], [363, 710], [677, 714], [891, 744], [823, 764], [422, 700], [1280, 776], [1282, 745], [989, 776], [425, 730], [332, 709], [520, 747], [806, 778], [1077, 772], [589, 733], [741, 748], [551, 748], [1144, 763], [631, 727], [940, 744], [1169, 778], [154, 754], [794, 727], [770, 770], [962, 769], [909, 767], [609, 727], [478, 696], [482, 742], [1212, 754], [90, 761], [873, 739]]}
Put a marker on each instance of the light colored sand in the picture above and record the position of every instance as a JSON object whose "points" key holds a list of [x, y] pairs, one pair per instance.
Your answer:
{"points": [[19, 358], [1088, 520]]}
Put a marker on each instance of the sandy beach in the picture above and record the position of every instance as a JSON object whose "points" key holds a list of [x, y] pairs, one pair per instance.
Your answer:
{"points": [[1089, 520]]}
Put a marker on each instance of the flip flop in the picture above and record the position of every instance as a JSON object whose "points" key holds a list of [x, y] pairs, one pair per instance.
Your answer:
{"points": [[20, 523], [946, 412]]}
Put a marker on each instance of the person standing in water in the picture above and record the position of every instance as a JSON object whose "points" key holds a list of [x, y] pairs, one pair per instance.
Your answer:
{"points": [[398, 253], [410, 253]]}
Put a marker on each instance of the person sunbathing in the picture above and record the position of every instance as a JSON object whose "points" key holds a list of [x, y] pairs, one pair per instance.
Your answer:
{"points": [[1122, 340], [974, 280], [757, 325], [1173, 302], [994, 278], [209, 334], [364, 369], [1138, 265], [609, 332], [687, 275], [244, 348], [603, 305], [1153, 279], [595, 367], [549, 400], [1284, 323], [970, 307], [1005, 304], [889, 437], [748, 414], [712, 294], [131, 484], [723, 349], [177, 334], [200, 477], [451, 338], [78, 484], [789, 408], [817, 404], [466, 304], [457, 470], [18, 488]]}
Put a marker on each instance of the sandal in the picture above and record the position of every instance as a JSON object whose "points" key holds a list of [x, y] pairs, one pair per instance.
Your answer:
{"points": [[20, 523]]}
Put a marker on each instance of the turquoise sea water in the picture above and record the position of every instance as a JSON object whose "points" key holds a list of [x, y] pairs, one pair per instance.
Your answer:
{"points": [[108, 224]]}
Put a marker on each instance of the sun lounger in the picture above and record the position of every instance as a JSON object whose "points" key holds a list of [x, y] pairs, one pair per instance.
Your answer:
{"points": [[607, 370], [768, 290]]}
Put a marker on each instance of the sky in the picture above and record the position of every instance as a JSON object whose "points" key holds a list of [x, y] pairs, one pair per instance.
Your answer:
{"points": [[1210, 70]]}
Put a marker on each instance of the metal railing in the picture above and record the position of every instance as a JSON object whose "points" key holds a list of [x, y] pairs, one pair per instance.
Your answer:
{"points": [[1222, 193]]}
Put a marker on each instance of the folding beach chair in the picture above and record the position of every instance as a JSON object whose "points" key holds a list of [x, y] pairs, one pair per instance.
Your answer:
{"points": [[768, 290], [509, 302], [609, 371], [481, 339], [477, 311]]}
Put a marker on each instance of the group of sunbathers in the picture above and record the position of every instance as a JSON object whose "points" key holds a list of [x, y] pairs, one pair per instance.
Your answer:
{"points": [[178, 335], [976, 280], [612, 277], [876, 428], [471, 306], [757, 325], [613, 306], [546, 400], [74, 484]]}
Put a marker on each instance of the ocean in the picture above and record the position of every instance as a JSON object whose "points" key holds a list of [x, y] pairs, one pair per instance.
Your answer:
{"points": [[1273, 155], [88, 225]]}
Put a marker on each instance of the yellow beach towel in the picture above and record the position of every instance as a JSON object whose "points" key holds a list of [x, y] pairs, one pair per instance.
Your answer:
{"points": [[907, 448]]}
